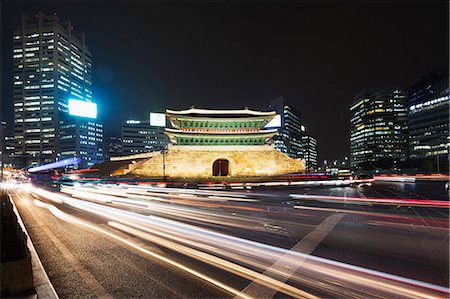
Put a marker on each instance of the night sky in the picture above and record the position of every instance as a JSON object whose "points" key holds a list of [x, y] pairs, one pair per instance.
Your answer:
{"points": [[149, 56]]}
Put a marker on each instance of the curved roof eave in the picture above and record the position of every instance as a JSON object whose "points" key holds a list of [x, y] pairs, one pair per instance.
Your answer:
{"points": [[177, 131], [245, 111]]}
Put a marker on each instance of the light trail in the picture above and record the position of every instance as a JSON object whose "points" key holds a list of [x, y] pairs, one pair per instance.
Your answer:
{"points": [[218, 262], [328, 276], [412, 178], [65, 217], [58, 164], [236, 221], [154, 205], [394, 220], [387, 201]]}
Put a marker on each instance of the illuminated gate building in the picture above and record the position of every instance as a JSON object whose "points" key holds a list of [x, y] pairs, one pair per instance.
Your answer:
{"points": [[218, 143]]}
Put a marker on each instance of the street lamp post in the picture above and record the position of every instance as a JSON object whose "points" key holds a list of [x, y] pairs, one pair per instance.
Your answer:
{"points": [[164, 161], [164, 164]]}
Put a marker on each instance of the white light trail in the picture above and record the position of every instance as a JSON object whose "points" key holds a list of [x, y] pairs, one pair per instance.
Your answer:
{"points": [[213, 247], [65, 217]]}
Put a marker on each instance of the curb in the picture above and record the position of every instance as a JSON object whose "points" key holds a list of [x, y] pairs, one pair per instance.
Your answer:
{"points": [[42, 284]]}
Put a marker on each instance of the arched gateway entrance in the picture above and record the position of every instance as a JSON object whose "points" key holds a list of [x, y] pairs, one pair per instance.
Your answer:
{"points": [[220, 167]]}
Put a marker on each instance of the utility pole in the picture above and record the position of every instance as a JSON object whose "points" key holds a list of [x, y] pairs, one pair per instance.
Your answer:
{"points": [[164, 163], [165, 149]]}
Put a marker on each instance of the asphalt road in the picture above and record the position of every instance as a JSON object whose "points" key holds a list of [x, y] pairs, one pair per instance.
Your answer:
{"points": [[128, 243]]}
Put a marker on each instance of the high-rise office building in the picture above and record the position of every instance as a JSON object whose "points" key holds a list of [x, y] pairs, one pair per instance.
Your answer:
{"points": [[378, 134], [428, 118], [309, 145], [138, 136], [52, 66], [289, 137]]}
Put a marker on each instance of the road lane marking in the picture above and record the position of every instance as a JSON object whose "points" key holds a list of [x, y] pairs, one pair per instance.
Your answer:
{"points": [[85, 275], [306, 245]]}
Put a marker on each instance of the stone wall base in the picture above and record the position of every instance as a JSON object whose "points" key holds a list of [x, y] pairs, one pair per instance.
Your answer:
{"points": [[195, 162]]}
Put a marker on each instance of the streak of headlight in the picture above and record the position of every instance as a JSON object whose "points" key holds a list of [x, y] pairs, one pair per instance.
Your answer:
{"points": [[123, 192], [259, 250], [432, 203], [65, 217], [89, 195], [48, 195], [177, 191], [220, 263], [58, 164], [7, 185], [222, 198], [183, 228], [143, 202], [185, 193], [310, 265], [407, 219], [188, 213], [216, 261], [149, 201]]}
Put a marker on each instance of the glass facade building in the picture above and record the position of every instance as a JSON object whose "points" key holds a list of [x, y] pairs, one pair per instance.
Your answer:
{"points": [[138, 136], [309, 144], [289, 137], [51, 66], [428, 117], [292, 138], [378, 133]]}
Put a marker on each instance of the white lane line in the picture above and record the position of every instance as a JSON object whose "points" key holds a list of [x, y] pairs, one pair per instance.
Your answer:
{"points": [[257, 289]]}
